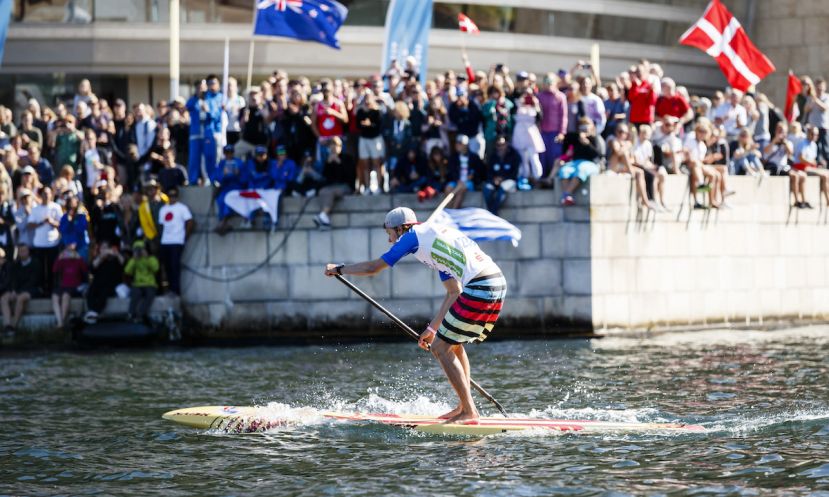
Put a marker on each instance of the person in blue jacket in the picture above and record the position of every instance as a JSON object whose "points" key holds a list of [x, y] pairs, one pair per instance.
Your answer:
{"points": [[260, 170], [230, 177], [285, 171], [205, 108]]}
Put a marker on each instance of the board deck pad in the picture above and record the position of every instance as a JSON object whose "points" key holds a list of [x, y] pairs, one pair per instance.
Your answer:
{"points": [[251, 419]]}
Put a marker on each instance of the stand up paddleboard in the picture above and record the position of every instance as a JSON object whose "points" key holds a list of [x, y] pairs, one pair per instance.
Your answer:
{"points": [[250, 419]]}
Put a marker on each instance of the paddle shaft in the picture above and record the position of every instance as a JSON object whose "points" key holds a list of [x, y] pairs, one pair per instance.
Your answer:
{"points": [[412, 333]]}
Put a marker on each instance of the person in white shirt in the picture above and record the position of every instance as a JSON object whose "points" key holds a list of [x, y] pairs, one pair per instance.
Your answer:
{"points": [[817, 114], [45, 219], [732, 115], [655, 176], [695, 149], [176, 223]]}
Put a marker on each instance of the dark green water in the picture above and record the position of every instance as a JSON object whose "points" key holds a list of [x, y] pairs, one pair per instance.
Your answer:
{"points": [[89, 423]]}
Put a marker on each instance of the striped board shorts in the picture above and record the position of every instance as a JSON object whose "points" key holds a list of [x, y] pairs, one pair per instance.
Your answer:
{"points": [[472, 317]]}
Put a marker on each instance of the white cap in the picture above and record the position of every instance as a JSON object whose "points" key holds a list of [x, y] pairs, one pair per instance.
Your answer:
{"points": [[399, 216]]}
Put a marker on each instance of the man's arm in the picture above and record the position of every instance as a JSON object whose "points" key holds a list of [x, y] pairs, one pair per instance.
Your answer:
{"points": [[453, 290], [367, 268]]}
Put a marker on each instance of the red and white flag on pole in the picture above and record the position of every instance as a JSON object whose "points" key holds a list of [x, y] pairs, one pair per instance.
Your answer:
{"points": [[245, 202], [794, 88], [719, 34], [467, 26]]}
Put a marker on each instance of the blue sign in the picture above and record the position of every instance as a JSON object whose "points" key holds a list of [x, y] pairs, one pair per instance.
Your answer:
{"points": [[407, 34], [5, 16]]}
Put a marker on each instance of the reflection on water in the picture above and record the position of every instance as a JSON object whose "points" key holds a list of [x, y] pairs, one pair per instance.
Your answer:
{"points": [[90, 423]]}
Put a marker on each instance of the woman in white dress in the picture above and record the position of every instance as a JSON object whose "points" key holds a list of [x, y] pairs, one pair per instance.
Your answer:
{"points": [[526, 137]]}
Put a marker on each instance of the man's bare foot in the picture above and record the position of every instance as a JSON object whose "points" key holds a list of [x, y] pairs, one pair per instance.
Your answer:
{"points": [[464, 418], [454, 412]]}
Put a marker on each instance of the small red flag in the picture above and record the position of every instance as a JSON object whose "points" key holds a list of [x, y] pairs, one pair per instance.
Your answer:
{"points": [[794, 88], [466, 25], [719, 34]]}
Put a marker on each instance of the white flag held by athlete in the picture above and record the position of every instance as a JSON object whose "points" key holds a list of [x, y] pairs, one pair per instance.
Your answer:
{"points": [[479, 224]]}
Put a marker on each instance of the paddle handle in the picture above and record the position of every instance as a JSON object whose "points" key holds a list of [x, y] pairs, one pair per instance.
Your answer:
{"points": [[412, 333]]}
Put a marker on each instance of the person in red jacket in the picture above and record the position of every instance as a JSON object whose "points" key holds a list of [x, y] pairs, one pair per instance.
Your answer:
{"points": [[642, 98], [672, 103], [70, 273]]}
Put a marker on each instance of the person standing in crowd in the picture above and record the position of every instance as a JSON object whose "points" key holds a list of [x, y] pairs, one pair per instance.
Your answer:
{"points": [[642, 96], [45, 220], [27, 278], [177, 224], [107, 273], [526, 139], [172, 175], [29, 132], [672, 103], [6, 223], [592, 103], [143, 133], [732, 115], [330, 119], [553, 125], [74, 226], [44, 170], [70, 273], [142, 268], [371, 149], [466, 116], [497, 113], [233, 109], [501, 174], [252, 124], [65, 142], [6, 290], [398, 133], [107, 218], [298, 137], [205, 108], [817, 112]]}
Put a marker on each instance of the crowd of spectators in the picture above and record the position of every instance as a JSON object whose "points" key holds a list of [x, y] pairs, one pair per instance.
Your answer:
{"points": [[82, 211], [91, 187]]}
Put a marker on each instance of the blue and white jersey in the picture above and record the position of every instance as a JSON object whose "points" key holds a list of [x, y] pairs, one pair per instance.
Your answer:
{"points": [[442, 248]]}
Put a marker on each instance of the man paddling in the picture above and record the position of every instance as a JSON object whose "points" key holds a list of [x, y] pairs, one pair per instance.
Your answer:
{"points": [[475, 289]]}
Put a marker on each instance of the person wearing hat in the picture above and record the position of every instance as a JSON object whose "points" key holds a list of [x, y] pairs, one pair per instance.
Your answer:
{"points": [[142, 268], [466, 171], [259, 170], [475, 290], [285, 171], [228, 166]]}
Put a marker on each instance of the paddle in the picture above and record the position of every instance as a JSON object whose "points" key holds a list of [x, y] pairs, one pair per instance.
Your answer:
{"points": [[412, 333]]}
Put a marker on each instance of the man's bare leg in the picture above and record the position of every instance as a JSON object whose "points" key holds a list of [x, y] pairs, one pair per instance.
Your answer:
{"points": [[460, 353], [458, 378]]}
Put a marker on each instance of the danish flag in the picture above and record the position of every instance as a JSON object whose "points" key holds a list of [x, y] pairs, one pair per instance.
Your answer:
{"points": [[467, 26], [719, 34], [281, 5]]}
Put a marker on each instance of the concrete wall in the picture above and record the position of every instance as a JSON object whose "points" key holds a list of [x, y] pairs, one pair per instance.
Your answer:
{"points": [[582, 268], [548, 273], [758, 261]]}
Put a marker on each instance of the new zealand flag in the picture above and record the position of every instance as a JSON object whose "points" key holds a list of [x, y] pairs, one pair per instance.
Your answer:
{"points": [[311, 20]]}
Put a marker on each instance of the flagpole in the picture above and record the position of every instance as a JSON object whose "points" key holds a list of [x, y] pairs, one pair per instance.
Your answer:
{"points": [[174, 49], [225, 77], [250, 50]]}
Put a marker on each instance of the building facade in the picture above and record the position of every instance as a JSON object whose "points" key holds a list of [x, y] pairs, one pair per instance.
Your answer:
{"points": [[122, 46]]}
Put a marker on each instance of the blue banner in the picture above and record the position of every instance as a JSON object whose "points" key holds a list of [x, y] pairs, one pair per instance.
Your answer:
{"points": [[308, 20], [407, 33], [5, 17]]}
